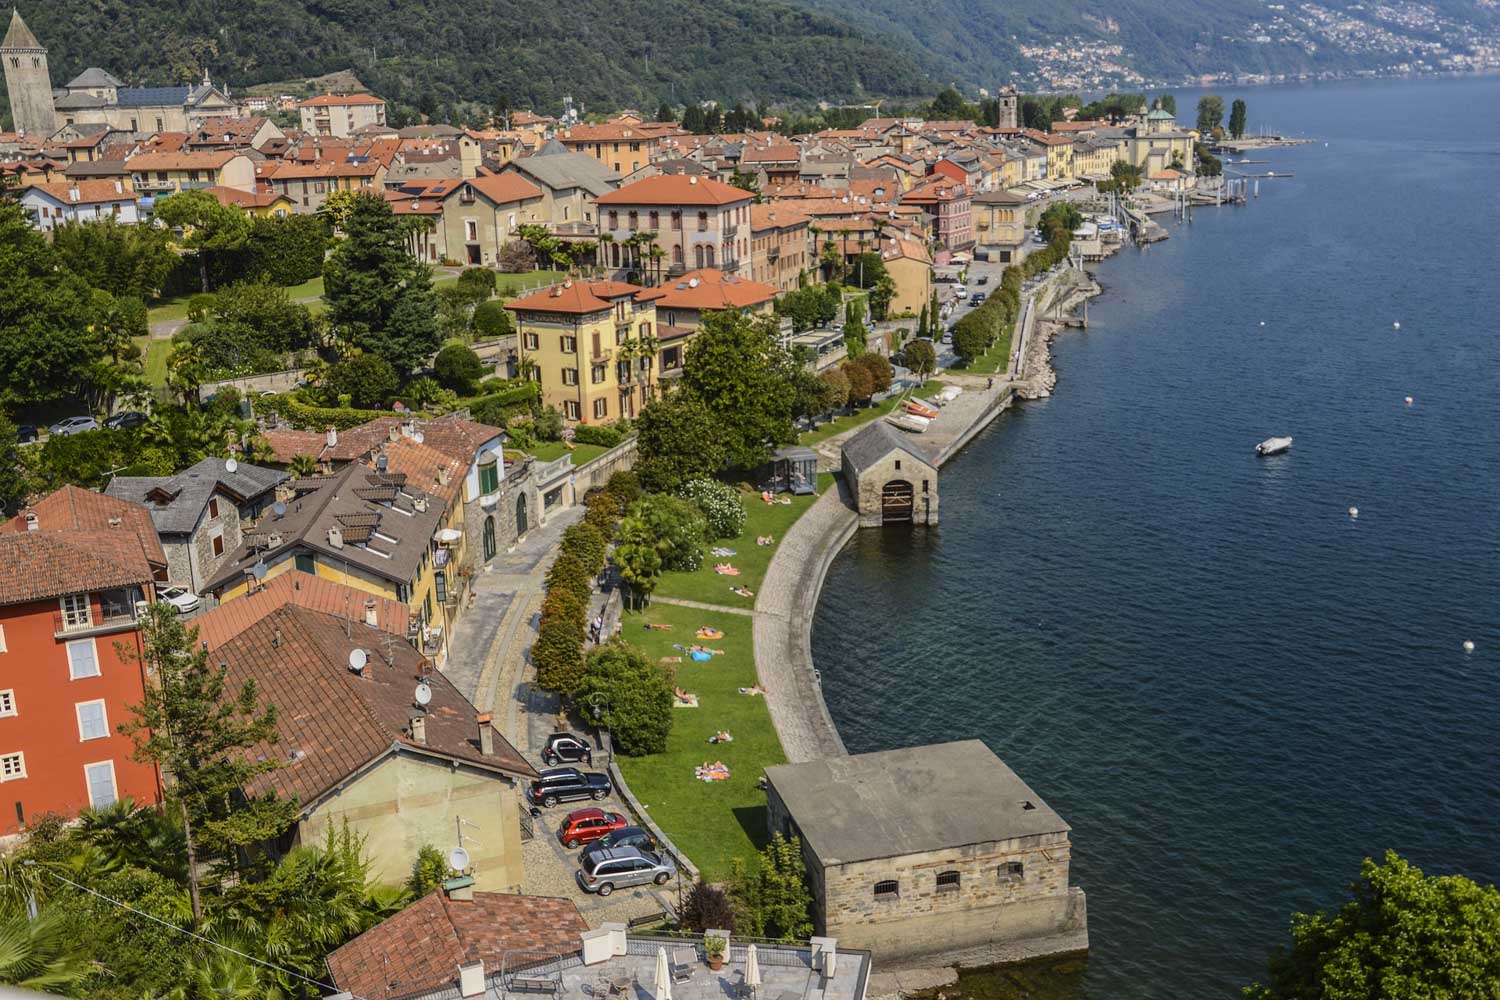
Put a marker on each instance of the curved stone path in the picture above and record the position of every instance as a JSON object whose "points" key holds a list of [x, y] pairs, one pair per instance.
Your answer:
{"points": [[783, 628]]}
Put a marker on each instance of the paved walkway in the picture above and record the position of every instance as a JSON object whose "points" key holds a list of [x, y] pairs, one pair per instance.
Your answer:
{"points": [[783, 629], [701, 606]]}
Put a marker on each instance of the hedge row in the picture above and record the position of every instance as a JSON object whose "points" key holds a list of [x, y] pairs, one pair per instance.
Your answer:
{"points": [[304, 415], [600, 434]]}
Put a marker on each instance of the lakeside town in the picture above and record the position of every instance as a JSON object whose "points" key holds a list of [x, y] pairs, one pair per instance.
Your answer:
{"points": [[411, 535]]}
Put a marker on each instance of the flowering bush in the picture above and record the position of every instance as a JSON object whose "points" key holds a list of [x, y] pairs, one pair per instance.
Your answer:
{"points": [[720, 504]]}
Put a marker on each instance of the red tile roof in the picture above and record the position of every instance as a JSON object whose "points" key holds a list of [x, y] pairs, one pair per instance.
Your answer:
{"points": [[234, 197], [422, 464], [302, 590], [334, 722], [676, 189], [578, 297], [86, 192], [83, 541], [419, 950], [708, 288], [767, 217], [339, 100], [208, 159], [502, 188]]}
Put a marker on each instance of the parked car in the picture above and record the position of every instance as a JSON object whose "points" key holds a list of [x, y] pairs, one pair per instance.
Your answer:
{"points": [[618, 867], [567, 748], [626, 836], [125, 419], [184, 600], [567, 784], [984, 279], [977, 299], [74, 425], [26, 433], [584, 826]]}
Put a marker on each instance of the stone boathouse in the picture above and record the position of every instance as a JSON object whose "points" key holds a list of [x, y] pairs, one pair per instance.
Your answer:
{"points": [[891, 479], [931, 853]]}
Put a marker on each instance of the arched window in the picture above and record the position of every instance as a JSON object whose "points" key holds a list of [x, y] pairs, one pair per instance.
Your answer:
{"points": [[889, 889], [948, 881], [677, 255], [698, 255], [710, 254], [489, 539]]}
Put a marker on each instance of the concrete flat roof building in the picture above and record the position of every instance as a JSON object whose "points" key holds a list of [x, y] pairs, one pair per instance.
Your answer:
{"points": [[931, 851]]}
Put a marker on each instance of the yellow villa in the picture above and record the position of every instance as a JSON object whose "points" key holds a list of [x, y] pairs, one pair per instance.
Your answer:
{"points": [[585, 339]]}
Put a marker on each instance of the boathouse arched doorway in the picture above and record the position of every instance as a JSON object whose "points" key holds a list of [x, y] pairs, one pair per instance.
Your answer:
{"points": [[489, 539], [896, 499], [520, 515]]}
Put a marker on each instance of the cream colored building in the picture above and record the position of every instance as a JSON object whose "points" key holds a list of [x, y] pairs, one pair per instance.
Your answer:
{"points": [[161, 173], [583, 337], [341, 114], [483, 214], [373, 736], [910, 267]]}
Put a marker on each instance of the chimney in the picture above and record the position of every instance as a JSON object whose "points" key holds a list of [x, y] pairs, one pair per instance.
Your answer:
{"points": [[119, 186], [394, 434], [486, 735], [444, 475], [276, 638], [371, 618], [335, 538], [419, 728], [32, 524], [471, 979]]}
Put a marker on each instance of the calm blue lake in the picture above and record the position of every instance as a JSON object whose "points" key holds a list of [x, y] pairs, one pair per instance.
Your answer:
{"points": [[1232, 690]]}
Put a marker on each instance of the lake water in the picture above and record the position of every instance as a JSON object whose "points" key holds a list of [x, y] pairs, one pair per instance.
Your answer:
{"points": [[1229, 688]]}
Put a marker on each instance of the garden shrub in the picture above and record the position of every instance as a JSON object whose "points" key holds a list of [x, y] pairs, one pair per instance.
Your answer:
{"points": [[569, 572], [587, 543], [598, 434], [678, 527], [720, 504], [625, 486], [558, 654], [636, 695]]}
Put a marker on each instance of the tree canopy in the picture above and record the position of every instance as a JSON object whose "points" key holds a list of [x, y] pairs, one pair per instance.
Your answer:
{"points": [[731, 365], [1404, 936]]}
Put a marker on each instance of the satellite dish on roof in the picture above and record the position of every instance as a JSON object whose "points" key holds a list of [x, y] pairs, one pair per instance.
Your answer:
{"points": [[458, 859], [231, 466], [259, 570], [423, 694], [357, 660], [418, 437], [278, 508]]}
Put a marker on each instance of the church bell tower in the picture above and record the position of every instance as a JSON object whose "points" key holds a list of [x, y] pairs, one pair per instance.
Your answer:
{"points": [[27, 80]]}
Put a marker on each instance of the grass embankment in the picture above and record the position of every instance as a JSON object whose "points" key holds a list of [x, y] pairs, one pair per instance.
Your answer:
{"points": [[996, 359], [155, 354], [861, 417], [714, 822], [752, 560]]}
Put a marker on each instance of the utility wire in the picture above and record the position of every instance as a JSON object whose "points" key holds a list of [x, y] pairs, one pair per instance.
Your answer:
{"points": [[200, 937]]}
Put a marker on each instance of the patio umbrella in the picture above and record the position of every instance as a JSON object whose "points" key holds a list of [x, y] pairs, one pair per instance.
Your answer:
{"points": [[663, 976], [752, 969]]}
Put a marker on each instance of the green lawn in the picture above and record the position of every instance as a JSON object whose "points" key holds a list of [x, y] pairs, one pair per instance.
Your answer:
{"points": [[311, 288], [548, 451], [996, 359], [703, 584], [864, 416], [156, 352], [511, 286], [174, 307], [712, 822]]}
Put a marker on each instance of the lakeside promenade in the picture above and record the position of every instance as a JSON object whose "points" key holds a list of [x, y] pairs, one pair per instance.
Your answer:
{"points": [[788, 598]]}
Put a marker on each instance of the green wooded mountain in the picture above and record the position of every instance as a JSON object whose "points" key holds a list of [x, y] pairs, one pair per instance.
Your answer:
{"points": [[605, 53], [433, 54]]}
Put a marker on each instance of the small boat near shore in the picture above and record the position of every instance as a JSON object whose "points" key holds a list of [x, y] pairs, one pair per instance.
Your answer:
{"points": [[919, 408], [1273, 446], [909, 421]]}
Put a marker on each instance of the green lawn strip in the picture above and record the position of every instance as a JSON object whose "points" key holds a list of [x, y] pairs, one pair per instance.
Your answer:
{"points": [[164, 310], [712, 822], [512, 285], [548, 451], [311, 288], [864, 416], [995, 360], [155, 354], [703, 584]]}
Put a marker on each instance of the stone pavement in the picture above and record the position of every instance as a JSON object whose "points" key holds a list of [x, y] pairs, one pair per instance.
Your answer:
{"points": [[701, 605], [783, 628]]}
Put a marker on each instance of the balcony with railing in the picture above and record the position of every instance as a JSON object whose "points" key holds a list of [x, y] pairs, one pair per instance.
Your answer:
{"points": [[732, 230], [101, 613]]}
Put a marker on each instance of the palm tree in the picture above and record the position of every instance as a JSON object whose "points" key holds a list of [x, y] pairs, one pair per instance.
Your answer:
{"points": [[657, 255], [303, 466], [38, 954], [605, 239]]}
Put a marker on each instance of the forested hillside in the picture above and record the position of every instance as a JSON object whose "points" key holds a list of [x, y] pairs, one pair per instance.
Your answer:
{"points": [[605, 53]]}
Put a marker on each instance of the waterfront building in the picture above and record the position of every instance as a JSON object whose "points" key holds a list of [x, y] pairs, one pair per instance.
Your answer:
{"points": [[931, 851], [949, 208], [892, 480], [1001, 224]]}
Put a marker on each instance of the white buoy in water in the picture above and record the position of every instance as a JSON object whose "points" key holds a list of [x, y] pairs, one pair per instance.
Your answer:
{"points": [[1396, 325], [1354, 512], [1262, 322], [1468, 645], [1408, 400]]}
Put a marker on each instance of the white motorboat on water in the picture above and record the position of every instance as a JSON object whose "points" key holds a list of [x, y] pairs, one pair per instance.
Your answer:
{"points": [[1273, 446]]}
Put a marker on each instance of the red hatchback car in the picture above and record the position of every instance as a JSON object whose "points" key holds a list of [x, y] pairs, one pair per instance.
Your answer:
{"points": [[584, 826]]}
